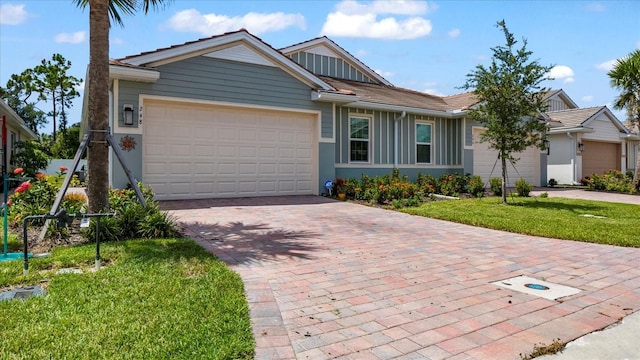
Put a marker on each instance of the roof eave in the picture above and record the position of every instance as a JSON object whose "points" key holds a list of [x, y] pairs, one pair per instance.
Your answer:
{"points": [[572, 129], [331, 97], [17, 119], [400, 108], [133, 74], [630, 136]]}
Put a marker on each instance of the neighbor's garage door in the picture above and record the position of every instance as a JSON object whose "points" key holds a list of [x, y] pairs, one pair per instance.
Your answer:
{"points": [[198, 151], [484, 160], [600, 157]]}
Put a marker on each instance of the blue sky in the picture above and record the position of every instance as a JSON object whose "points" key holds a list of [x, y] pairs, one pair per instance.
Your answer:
{"points": [[422, 45]]}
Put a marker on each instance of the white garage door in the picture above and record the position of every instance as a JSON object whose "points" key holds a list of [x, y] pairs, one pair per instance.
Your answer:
{"points": [[199, 151], [484, 159]]}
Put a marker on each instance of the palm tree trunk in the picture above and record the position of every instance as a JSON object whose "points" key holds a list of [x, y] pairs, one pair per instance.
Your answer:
{"points": [[98, 107]]}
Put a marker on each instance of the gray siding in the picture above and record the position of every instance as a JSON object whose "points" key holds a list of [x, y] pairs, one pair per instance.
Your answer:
{"points": [[412, 173], [133, 160], [220, 80], [329, 66], [447, 147]]}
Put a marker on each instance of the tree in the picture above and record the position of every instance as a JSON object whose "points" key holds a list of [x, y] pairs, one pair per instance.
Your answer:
{"points": [[30, 156], [18, 95], [510, 101], [53, 83], [625, 77], [98, 81]]}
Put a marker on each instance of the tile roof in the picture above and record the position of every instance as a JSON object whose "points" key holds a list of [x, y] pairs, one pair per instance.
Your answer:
{"points": [[390, 95], [574, 117], [462, 101], [123, 59]]}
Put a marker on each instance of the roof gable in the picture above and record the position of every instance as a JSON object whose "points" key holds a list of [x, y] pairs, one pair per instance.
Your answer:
{"points": [[559, 100], [237, 46], [326, 47], [581, 117]]}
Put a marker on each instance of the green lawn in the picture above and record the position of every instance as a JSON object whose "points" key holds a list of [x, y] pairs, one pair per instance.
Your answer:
{"points": [[605, 223], [154, 299]]}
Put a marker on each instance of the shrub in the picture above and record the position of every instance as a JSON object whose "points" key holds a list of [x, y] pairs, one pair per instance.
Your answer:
{"points": [[544, 195], [31, 156], [613, 180], [427, 184], [523, 187], [475, 186], [495, 184], [452, 184], [74, 202]]}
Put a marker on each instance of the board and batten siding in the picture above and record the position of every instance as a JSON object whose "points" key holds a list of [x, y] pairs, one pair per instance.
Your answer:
{"points": [[447, 147], [210, 79], [329, 66]]}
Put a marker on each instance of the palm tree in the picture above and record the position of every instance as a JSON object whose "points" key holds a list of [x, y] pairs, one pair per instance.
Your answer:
{"points": [[98, 82], [625, 77]]}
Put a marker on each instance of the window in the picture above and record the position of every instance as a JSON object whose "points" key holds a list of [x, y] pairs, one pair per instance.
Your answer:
{"points": [[359, 139], [423, 143]]}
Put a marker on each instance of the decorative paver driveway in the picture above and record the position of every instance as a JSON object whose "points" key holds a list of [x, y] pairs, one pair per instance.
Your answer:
{"points": [[327, 279]]}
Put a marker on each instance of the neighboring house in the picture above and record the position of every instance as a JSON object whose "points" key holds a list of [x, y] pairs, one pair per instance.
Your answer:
{"points": [[481, 160], [17, 130], [588, 141]]}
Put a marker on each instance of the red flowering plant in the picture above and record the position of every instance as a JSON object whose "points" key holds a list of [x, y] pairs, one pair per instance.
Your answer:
{"points": [[31, 197]]}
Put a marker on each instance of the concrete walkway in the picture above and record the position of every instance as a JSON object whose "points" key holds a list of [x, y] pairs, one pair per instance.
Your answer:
{"points": [[588, 195], [328, 279]]}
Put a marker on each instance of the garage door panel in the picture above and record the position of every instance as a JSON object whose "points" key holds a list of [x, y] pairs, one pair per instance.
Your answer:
{"points": [[229, 151], [247, 151], [227, 169], [268, 135], [207, 151], [600, 157]]}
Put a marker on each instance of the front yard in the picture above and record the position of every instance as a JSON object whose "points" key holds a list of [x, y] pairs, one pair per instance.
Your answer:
{"points": [[581, 220], [153, 299]]}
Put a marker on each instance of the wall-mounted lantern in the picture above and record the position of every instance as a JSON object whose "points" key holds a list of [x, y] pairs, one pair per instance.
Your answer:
{"points": [[581, 147], [547, 146], [127, 112]]}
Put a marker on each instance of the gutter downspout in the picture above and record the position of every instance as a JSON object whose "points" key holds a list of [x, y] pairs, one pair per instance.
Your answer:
{"points": [[573, 159], [395, 138]]}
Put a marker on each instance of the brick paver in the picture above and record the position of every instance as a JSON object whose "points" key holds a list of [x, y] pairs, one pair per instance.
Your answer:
{"points": [[327, 279]]}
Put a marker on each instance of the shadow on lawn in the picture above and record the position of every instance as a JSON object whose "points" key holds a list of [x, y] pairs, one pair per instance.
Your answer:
{"points": [[562, 206], [239, 243]]}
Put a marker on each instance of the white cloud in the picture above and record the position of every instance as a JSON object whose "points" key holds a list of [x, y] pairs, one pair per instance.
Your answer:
{"points": [[360, 20], [562, 72], [399, 7], [607, 65], [256, 23], [12, 14], [587, 98], [362, 52], [454, 33], [70, 38], [596, 7]]}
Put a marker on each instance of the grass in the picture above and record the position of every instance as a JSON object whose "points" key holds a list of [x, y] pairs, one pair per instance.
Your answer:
{"points": [[153, 299], [548, 217]]}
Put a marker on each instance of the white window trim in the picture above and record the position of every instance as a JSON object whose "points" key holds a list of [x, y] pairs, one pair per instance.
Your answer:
{"points": [[369, 118], [431, 153]]}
